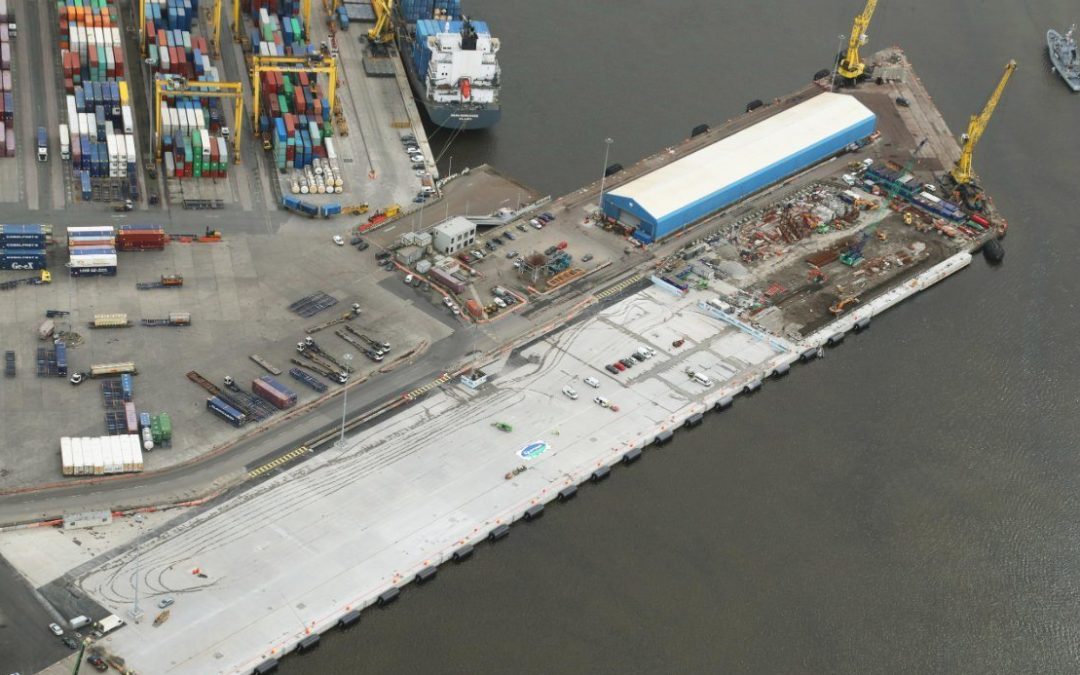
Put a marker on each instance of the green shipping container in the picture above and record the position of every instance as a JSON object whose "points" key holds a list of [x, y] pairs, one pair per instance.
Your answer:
{"points": [[155, 430], [166, 426]]}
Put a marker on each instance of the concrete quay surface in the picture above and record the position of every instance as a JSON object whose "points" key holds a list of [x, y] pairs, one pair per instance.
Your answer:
{"points": [[419, 486]]}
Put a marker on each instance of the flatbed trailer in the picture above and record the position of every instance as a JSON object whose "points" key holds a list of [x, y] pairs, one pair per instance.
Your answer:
{"points": [[265, 365]]}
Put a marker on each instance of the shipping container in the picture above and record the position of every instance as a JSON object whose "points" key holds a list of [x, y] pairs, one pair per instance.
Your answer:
{"points": [[112, 369], [443, 278], [226, 411], [268, 388], [166, 426], [127, 386], [61, 359], [140, 237], [131, 417], [86, 456]]}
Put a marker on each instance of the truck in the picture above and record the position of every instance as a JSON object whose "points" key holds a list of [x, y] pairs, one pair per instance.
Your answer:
{"points": [[65, 142], [42, 145]]}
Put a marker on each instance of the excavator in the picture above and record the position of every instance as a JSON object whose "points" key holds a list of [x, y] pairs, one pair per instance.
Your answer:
{"points": [[962, 174], [382, 33], [851, 66]]}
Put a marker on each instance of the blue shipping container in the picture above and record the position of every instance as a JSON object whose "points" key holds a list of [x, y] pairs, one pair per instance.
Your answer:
{"points": [[61, 359], [126, 387]]}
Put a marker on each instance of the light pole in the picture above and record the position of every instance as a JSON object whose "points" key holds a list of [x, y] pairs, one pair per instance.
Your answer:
{"points": [[836, 63], [136, 613], [450, 168], [344, 400], [603, 174]]}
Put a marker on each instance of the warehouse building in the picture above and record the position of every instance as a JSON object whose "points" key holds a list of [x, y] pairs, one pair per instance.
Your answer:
{"points": [[703, 182], [454, 235]]}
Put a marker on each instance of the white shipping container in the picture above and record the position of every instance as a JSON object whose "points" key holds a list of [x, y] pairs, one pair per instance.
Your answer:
{"points": [[76, 456], [129, 142], [191, 122], [205, 144], [99, 457], [165, 63], [223, 150], [99, 33], [331, 151], [129, 123], [116, 36], [65, 456], [200, 119], [110, 63]]}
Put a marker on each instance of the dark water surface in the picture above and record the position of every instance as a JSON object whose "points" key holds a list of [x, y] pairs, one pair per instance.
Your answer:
{"points": [[910, 503]]}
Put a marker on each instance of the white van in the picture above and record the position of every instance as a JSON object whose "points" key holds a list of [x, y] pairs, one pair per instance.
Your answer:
{"points": [[702, 379]]}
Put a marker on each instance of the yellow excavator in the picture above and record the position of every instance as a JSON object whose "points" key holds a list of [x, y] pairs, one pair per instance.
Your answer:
{"points": [[851, 66], [962, 172]]}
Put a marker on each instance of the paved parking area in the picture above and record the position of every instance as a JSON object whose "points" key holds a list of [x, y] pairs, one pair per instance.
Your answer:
{"points": [[237, 291]]}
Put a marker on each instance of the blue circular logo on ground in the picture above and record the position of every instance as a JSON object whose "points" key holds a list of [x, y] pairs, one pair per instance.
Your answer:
{"points": [[533, 450]]}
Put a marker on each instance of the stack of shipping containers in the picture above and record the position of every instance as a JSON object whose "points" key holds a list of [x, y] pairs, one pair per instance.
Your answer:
{"points": [[99, 117], [93, 250], [101, 455], [295, 110], [191, 128], [415, 10], [7, 98], [140, 238], [22, 247]]}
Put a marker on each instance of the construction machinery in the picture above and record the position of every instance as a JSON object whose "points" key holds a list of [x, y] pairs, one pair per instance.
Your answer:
{"points": [[355, 209], [178, 87], [851, 66], [962, 173], [837, 308], [853, 256], [383, 31], [167, 281], [319, 63]]}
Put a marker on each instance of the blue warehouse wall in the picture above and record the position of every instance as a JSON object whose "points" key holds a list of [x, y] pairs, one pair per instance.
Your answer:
{"points": [[652, 228]]}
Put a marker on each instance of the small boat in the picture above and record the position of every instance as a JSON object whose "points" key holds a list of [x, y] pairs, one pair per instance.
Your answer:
{"points": [[161, 618]]}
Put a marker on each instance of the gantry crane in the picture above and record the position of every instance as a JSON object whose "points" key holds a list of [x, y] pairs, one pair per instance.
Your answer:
{"points": [[316, 63], [175, 87], [383, 31], [962, 173], [215, 28], [305, 12], [851, 67]]}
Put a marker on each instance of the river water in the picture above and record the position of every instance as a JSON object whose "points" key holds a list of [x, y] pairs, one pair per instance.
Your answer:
{"points": [[908, 504]]}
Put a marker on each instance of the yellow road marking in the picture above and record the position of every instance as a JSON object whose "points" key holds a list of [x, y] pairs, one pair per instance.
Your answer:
{"points": [[284, 459]]}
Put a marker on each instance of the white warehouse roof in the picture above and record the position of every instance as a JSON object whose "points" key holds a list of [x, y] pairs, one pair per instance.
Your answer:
{"points": [[455, 226], [729, 160]]}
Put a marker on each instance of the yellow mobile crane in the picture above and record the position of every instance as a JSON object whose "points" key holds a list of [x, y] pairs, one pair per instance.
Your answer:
{"points": [[851, 67], [175, 87], [962, 173], [305, 12], [383, 32], [316, 63]]}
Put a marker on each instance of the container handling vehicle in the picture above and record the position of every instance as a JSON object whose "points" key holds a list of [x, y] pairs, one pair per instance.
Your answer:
{"points": [[44, 277]]}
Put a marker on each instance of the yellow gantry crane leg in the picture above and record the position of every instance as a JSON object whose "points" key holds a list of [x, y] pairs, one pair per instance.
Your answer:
{"points": [[215, 28], [851, 65], [291, 64], [383, 30], [165, 88], [962, 172]]}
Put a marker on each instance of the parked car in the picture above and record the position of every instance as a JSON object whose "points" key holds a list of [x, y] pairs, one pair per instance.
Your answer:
{"points": [[98, 663], [587, 257], [612, 369], [362, 245], [509, 236], [592, 382], [500, 303], [70, 643], [570, 393], [551, 250], [338, 240], [408, 278], [521, 226], [629, 363], [601, 401], [619, 366], [536, 223], [56, 629], [497, 241], [637, 357], [548, 215], [902, 102], [510, 255]]}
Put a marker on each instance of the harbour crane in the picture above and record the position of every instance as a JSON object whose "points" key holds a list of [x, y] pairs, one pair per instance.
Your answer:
{"points": [[383, 31], [851, 67], [962, 173]]}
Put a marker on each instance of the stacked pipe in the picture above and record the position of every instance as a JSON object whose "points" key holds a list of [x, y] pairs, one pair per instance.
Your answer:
{"points": [[100, 121], [22, 247], [323, 176], [93, 250], [7, 99]]}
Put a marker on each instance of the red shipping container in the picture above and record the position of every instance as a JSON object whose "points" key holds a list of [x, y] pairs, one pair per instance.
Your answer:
{"points": [[132, 417], [118, 56], [299, 104]]}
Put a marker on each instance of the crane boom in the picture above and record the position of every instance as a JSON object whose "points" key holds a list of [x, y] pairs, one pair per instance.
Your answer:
{"points": [[962, 172], [383, 30], [851, 66]]}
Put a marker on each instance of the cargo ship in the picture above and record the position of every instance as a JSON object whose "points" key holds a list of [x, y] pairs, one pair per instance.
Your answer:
{"points": [[451, 62], [1064, 56]]}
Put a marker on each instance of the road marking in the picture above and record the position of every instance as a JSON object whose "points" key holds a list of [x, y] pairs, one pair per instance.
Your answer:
{"points": [[415, 393], [284, 459], [619, 286]]}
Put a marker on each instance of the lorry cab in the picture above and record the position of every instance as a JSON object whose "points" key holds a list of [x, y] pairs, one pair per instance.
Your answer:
{"points": [[42, 145]]}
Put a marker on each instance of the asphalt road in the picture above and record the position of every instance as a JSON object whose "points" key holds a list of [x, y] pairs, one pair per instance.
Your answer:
{"points": [[26, 645]]}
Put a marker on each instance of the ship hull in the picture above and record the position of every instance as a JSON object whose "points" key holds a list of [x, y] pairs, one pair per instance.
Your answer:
{"points": [[446, 115], [1071, 76]]}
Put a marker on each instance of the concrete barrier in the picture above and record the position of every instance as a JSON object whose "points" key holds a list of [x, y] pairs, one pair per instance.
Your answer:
{"points": [[632, 456], [388, 596], [600, 474], [266, 667], [463, 553], [567, 493], [308, 643], [348, 620], [499, 532], [534, 512], [425, 575]]}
